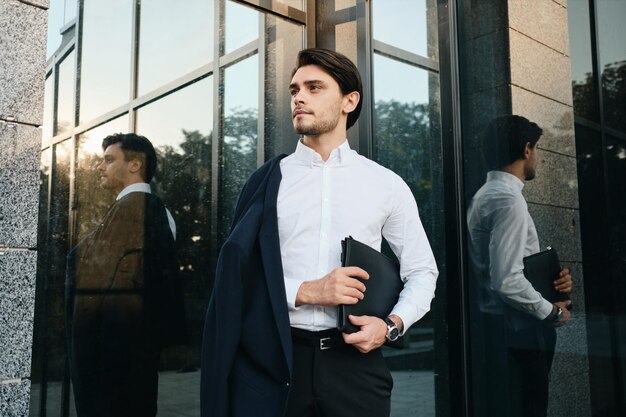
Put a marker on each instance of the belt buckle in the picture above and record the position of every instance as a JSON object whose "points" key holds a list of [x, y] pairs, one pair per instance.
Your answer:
{"points": [[322, 347]]}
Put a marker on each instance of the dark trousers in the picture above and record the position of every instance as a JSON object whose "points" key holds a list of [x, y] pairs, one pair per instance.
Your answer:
{"points": [[339, 381], [510, 367]]}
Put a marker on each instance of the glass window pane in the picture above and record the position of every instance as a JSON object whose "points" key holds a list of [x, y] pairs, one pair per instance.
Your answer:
{"points": [[242, 25], [106, 55], [612, 55], [241, 109], [407, 24], [174, 40], [65, 105], [180, 128], [583, 85], [407, 141], [283, 42], [70, 10], [48, 108], [55, 23], [50, 349], [93, 201]]}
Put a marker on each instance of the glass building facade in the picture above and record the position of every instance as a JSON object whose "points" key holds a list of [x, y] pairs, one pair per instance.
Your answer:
{"points": [[207, 82]]}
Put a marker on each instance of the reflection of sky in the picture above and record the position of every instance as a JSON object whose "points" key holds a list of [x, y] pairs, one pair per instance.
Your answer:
{"points": [[242, 25], [174, 40], [401, 23], [105, 80], [59, 14], [398, 81], [65, 111], [190, 109], [242, 86], [611, 15], [91, 141]]}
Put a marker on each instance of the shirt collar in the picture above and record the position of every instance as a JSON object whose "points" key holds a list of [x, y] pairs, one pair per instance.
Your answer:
{"points": [[339, 156], [141, 187], [509, 179]]}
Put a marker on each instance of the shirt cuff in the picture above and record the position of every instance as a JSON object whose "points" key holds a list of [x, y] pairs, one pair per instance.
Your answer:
{"points": [[405, 316], [545, 310], [291, 290]]}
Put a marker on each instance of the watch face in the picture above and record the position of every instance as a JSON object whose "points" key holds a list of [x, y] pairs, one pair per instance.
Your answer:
{"points": [[393, 334]]}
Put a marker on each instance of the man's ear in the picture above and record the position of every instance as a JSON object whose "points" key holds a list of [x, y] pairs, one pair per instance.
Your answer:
{"points": [[527, 150], [135, 165], [351, 100]]}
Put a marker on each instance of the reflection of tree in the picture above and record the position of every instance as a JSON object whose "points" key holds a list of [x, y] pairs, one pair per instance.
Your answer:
{"points": [[240, 145], [403, 135], [613, 96]]}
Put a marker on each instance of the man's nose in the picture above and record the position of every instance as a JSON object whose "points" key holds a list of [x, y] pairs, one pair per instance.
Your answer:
{"points": [[298, 97]]}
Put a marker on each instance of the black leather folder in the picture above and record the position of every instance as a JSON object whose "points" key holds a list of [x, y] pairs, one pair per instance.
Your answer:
{"points": [[541, 269], [382, 288]]}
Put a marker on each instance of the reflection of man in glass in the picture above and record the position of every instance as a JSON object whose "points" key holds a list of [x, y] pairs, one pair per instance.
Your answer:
{"points": [[123, 295], [513, 325], [271, 347]]}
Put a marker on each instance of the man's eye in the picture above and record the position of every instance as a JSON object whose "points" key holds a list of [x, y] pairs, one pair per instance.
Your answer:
{"points": [[293, 92], [315, 87]]}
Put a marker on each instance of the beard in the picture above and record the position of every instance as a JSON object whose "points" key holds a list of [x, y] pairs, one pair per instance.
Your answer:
{"points": [[325, 123]]}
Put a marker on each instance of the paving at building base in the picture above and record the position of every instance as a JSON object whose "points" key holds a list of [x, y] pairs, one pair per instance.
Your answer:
{"points": [[413, 395]]}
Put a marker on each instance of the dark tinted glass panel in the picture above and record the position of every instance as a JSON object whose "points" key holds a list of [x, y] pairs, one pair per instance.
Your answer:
{"points": [[49, 362], [106, 52], [417, 20], [407, 140], [612, 56], [180, 127], [65, 105], [583, 85], [241, 109], [174, 40], [242, 25]]}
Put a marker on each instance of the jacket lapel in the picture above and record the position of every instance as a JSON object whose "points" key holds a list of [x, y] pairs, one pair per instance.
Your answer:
{"points": [[272, 264]]}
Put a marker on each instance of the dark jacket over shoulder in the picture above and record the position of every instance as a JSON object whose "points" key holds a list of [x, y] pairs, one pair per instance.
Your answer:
{"points": [[247, 351]]}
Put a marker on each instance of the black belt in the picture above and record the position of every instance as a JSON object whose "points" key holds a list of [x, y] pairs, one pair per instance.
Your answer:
{"points": [[323, 340]]}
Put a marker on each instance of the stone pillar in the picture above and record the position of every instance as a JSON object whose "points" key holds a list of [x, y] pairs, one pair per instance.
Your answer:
{"points": [[23, 27]]}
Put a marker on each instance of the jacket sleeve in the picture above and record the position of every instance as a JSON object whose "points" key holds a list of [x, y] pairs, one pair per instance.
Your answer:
{"points": [[222, 332]]}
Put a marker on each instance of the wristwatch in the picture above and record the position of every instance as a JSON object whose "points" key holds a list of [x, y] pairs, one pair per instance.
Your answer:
{"points": [[558, 316], [392, 330]]}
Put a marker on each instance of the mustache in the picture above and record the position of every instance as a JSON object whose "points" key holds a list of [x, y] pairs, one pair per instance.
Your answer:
{"points": [[300, 110]]}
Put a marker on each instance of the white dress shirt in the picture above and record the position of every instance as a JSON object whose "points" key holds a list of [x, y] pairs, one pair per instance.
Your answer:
{"points": [[501, 234], [143, 187], [321, 203]]}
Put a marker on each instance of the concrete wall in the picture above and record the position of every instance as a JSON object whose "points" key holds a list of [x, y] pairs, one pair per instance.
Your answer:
{"points": [[23, 28]]}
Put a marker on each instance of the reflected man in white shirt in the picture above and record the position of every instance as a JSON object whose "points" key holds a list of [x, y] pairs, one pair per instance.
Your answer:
{"points": [[271, 347], [513, 325]]}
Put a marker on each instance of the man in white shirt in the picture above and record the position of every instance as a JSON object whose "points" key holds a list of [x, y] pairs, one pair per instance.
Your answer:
{"points": [[326, 192], [124, 299], [512, 323]]}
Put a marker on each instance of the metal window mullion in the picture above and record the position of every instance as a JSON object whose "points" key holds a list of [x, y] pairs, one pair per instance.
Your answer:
{"points": [[134, 63], [216, 142], [404, 56], [262, 47], [311, 19], [278, 9]]}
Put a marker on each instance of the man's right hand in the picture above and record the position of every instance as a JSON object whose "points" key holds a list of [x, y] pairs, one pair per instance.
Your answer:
{"points": [[340, 286]]}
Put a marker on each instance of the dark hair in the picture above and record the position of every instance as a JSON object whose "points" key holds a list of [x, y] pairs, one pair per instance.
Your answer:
{"points": [[340, 68], [505, 140], [135, 146]]}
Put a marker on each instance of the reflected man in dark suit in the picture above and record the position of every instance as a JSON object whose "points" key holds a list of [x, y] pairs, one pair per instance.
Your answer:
{"points": [[124, 300], [513, 325]]}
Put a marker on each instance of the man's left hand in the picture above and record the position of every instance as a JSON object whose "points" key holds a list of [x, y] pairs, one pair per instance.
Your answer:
{"points": [[564, 283], [372, 335]]}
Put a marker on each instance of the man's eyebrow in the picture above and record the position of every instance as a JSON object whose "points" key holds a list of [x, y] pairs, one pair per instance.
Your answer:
{"points": [[307, 82]]}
